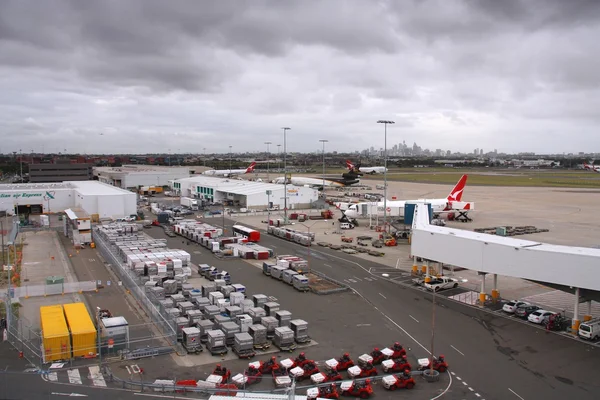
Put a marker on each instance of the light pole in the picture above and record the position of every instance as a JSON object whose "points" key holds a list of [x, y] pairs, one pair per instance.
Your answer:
{"points": [[169, 157], [323, 141], [278, 157], [230, 159], [21, 162], [385, 124], [268, 156], [204, 156], [285, 195]]}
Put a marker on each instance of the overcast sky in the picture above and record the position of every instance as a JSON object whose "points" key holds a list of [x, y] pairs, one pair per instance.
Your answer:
{"points": [[155, 75]]}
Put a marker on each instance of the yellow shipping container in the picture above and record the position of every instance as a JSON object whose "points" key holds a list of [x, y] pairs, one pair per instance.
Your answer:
{"points": [[83, 331], [55, 334]]}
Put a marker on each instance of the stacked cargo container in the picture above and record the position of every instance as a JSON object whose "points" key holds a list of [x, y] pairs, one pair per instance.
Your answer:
{"points": [[56, 340], [83, 331]]}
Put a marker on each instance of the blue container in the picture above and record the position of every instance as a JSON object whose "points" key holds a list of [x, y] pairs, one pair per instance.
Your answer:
{"points": [[409, 212]]}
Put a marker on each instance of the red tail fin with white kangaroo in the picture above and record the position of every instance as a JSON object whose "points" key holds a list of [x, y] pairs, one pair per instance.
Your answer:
{"points": [[250, 168], [349, 165], [457, 192]]}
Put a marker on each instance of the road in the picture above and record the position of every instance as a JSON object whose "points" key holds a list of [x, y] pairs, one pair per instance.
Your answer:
{"points": [[495, 357]]}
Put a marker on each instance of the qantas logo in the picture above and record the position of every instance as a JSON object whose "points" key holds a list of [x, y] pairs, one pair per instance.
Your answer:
{"points": [[457, 192], [251, 168], [349, 165]]}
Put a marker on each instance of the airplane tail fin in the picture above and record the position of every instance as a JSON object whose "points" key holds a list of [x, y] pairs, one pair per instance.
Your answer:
{"points": [[250, 168], [349, 165], [457, 192]]}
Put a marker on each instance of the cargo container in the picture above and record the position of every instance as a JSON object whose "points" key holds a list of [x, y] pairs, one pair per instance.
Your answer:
{"points": [[83, 332], [56, 340]]}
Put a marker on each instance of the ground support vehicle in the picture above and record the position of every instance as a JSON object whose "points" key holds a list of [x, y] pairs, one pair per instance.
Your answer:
{"points": [[398, 365], [397, 351], [301, 361], [377, 356], [281, 376], [301, 373], [250, 377], [439, 364], [340, 364], [365, 371], [244, 353], [221, 372], [556, 322], [324, 377], [264, 367], [444, 282], [399, 381], [323, 392], [363, 389]]}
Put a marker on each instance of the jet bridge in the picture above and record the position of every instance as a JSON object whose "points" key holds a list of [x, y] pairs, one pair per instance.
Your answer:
{"points": [[573, 267]]}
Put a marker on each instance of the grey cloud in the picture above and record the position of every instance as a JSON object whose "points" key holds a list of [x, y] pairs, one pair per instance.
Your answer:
{"points": [[187, 75]]}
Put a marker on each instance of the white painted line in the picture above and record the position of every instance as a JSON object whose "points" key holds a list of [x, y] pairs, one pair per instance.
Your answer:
{"points": [[161, 395], [383, 296], [357, 277], [136, 369], [69, 394], [445, 390], [128, 369], [477, 394], [453, 373], [415, 320], [74, 376], [515, 393], [327, 265], [53, 376], [459, 352], [465, 383], [96, 376], [471, 389], [459, 378]]}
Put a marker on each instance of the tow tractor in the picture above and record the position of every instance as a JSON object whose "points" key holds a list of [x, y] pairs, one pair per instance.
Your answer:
{"points": [[378, 356], [301, 361], [399, 381], [264, 367], [439, 364], [220, 375], [250, 377], [398, 351], [397, 365], [326, 376], [323, 392], [280, 376], [363, 389], [340, 364], [365, 368], [300, 373]]}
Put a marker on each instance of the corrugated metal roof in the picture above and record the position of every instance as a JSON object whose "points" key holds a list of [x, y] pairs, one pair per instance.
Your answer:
{"points": [[233, 185]]}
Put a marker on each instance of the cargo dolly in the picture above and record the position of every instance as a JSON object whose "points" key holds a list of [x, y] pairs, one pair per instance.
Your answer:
{"points": [[262, 346], [462, 216], [244, 353], [288, 347]]}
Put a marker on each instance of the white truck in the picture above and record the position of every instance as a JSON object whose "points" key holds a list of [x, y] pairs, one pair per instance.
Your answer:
{"points": [[443, 282], [190, 203]]}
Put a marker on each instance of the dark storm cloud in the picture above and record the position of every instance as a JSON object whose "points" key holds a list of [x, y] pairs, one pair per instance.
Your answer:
{"points": [[195, 70]]}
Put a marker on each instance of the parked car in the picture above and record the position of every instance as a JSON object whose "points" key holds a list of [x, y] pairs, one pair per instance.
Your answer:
{"points": [[539, 316], [512, 306], [523, 311]]}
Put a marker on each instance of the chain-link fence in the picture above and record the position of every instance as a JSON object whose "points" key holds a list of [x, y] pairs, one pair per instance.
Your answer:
{"points": [[21, 333], [161, 320], [51, 289]]}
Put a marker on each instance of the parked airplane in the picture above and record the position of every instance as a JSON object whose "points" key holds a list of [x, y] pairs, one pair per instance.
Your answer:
{"points": [[451, 204], [316, 183], [230, 172], [592, 167], [358, 169]]}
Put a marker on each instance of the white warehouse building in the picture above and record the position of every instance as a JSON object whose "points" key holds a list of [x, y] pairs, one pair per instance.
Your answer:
{"points": [[245, 194], [44, 198], [134, 176]]}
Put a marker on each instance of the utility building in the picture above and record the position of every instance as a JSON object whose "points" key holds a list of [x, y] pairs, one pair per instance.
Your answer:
{"points": [[245, 194]]}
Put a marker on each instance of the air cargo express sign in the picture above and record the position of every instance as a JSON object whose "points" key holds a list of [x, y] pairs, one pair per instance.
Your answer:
{"points": [[46, 196]]}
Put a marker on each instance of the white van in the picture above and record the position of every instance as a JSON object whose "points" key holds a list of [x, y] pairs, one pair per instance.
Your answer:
{"points": [[346, 225], [590, 329]]}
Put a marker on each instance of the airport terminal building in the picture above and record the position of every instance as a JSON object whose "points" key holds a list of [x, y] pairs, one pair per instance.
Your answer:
{"points": [[94, 197], [245, 194]]}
